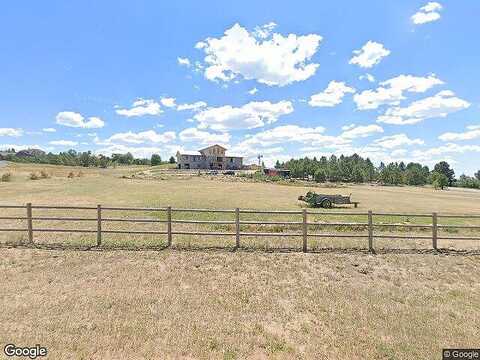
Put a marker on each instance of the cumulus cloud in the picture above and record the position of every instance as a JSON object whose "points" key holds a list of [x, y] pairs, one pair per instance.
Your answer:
{"points": [[439, 105], [271, 59], [11, 132], [368, 77], [63, 143], [253, 91], [353, 132], [473, 132], [76, 120], [203, 137], [141, 107], [149, 136], [196, 106], [397, 140], [183, 61], [252, 115], [391, 92], [168, 102], [49, 130], [139, 151], [369, 55], [450, 148], [331, 96], [427, 13]]}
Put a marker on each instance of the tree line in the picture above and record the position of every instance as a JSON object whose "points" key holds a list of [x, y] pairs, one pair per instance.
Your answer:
{"points": [[355, 169], [85, 159]]}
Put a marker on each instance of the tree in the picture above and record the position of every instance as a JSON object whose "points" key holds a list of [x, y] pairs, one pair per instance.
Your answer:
{"points": [[320, 175], [278, 165], [415, 174], [155, 160], [171, 160], [477, 175], [444, 168], [439, 180]]}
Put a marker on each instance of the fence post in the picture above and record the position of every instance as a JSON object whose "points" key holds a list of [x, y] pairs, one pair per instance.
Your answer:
{"points": [[370, 231], [169, 226], [237, 228], [434, 230], [305, 228], [29, 223], [99, 225]]}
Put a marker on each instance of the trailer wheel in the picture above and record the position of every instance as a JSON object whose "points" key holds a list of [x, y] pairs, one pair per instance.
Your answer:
{"points": [[327, 204]]}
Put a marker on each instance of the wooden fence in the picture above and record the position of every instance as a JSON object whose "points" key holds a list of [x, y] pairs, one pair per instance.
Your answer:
{"points": [[370, 225]]}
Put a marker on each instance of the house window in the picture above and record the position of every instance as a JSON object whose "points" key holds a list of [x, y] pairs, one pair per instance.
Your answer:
{"points": [[219, 158], [231, 160]]}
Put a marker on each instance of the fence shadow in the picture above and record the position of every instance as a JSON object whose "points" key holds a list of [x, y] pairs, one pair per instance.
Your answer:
{"points": [[207, 249]]}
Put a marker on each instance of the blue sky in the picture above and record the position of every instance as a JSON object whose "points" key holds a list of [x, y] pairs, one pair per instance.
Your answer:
{"points": [[392, 80]]}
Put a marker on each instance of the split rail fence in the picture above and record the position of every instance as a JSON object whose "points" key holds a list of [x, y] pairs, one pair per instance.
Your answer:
{"points": [[370, 225]]}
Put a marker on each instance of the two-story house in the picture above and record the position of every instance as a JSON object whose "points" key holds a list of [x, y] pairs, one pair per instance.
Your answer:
{"points": [[213, 157]]}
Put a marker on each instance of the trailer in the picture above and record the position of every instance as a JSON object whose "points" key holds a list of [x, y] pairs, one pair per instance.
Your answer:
{"points": [[325, 200]]}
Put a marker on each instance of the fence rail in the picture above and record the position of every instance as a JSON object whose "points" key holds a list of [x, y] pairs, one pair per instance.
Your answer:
{"points": [[369, 226]]}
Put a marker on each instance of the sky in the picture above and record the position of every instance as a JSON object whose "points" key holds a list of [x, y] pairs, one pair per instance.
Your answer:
{"points": [[389, 80]]}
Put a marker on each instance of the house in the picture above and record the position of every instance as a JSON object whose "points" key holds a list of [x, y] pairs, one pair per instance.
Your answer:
{"points": [[212, 157]]}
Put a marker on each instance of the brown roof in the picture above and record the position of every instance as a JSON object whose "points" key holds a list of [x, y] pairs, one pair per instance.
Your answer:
{"points": [[208, 147]]}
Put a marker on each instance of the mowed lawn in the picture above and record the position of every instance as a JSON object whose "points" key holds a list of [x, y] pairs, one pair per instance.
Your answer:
{"points": [[191, 302]]}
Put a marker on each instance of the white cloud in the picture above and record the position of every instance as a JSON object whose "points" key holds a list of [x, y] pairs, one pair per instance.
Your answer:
{"points": [[168, 102], [439, 105], [369, 55], [393, 141], [273, 60], [11, 132], [449, 148], [368, 77], [264, 31], [252, 115], [253, 91], [141, 107], [76, 120], [183, 61], [427, 13], [332, 95], [49, 130], [63, 143], [139, 152], [473, 132], [391, 91], [18, 147], [149, 136], [203, 137], [361, 131], [194, 106]]}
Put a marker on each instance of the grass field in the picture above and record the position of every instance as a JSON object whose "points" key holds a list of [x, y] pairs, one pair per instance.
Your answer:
{"points": [[192, 301]]}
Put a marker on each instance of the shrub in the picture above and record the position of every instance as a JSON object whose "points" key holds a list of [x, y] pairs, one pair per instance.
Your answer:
{"points": [[71, 175], [6, 177], [44, 174], [34, 176]]}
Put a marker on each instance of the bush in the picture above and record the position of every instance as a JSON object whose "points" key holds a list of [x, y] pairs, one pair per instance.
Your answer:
{"points": [[34, 176], [6, 177], [71, 175], [44, 174]]}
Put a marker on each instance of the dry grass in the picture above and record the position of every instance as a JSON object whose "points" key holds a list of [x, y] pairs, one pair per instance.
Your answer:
{"points": [[171, 304], [221, 304]]}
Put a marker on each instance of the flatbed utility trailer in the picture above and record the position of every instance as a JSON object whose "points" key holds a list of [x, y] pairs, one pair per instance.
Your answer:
{"points": [[326, 200]]}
